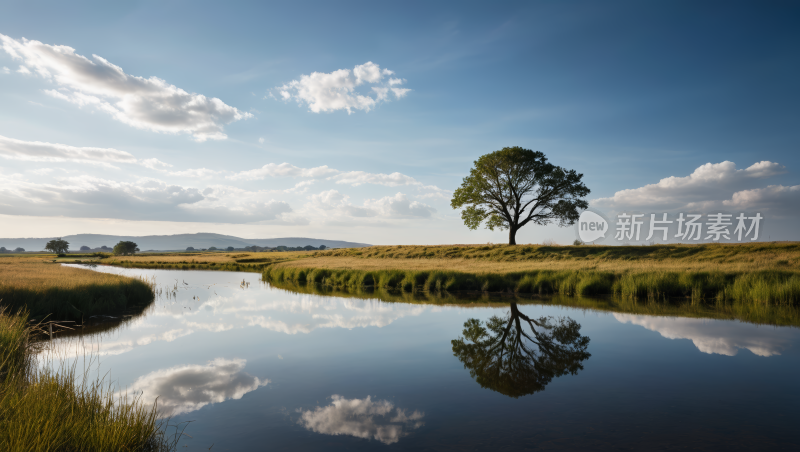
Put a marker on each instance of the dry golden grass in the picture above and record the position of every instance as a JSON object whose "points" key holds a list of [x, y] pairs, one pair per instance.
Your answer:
{"points": [[38, 273], [47, 288], [506, 259]]}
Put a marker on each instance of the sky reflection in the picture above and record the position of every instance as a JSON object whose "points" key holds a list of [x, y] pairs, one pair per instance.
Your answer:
{"points": [[187, 388], [716, 336], [362, 418]]}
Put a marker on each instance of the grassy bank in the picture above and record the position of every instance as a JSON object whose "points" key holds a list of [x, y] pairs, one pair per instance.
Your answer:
{"points": [[770, 287], [44, 288], [44, 410], [765, 273]]}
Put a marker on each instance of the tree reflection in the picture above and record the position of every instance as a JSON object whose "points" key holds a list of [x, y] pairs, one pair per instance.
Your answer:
{"points": [[502, 356]]}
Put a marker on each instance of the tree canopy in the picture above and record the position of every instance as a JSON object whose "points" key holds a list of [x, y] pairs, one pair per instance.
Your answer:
{"points": [[57, 246], [512, 187], [503, 357], [125, 248]]}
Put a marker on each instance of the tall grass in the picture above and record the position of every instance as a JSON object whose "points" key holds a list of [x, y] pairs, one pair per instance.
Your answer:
{"points": [[46, 410], [768, 287], [65, 293]]}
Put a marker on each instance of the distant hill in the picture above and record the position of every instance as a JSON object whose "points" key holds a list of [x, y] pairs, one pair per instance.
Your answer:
{"points": [[173, 242]]}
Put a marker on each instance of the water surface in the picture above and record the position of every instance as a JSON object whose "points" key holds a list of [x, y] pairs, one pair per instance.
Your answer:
{"points": [[261, 368]]}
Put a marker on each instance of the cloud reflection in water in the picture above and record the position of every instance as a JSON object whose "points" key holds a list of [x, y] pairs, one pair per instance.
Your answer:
{"points": [[362, 418], [187, 388], [715, 336]]}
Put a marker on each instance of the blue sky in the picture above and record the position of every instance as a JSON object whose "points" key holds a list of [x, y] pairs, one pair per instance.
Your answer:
{"points": [[627, 93]]}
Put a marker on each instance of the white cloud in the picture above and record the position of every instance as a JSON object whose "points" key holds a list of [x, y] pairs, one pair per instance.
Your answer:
{"points": [[715, 336], [282, 170], [336, 90], [198, 173], [144, 103], [356, 178], [328, 200], [155, 164], [145, 198], [23, 70], [187, 388], [38, 151], [260, 141], [706, 187], [399, 206], [395, 207], [773, 197], [362, 418], [5, 70], [400, 92]]}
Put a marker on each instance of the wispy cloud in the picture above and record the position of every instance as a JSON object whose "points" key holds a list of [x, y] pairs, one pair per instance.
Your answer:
{"points": [[40, 151], [145, 198], [389, 207], [283, 169], [144, 103], [337, 90]]}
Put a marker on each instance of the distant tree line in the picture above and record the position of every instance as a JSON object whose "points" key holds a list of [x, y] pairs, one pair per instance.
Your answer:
{"points": [[16, 250]]}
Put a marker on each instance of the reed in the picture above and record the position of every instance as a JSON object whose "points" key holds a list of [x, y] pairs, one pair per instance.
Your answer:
{"points": [[44, 410], [768, 287]]}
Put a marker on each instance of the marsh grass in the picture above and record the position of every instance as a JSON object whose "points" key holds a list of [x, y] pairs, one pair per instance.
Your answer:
{"points": [[767, 287], [42, 409], [66, 293]]}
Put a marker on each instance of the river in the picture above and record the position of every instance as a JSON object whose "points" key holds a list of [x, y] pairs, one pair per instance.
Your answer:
{"points": [[256, 367]]}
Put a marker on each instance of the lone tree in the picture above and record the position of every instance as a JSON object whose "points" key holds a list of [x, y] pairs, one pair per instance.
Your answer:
{"points": [[125, 248], [57, 246], [512, 187]]}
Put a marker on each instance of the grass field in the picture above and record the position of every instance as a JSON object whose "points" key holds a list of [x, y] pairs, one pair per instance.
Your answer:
{"points": [[505, 258], [44, 410], [762, 273], [45, 288]]}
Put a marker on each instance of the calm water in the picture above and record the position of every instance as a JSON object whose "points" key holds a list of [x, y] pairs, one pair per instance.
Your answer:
{"points": [[260, 368]]}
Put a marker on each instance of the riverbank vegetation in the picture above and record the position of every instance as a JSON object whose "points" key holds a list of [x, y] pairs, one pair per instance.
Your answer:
{"points": [[45, 410], [765, 274], [44, 288]]}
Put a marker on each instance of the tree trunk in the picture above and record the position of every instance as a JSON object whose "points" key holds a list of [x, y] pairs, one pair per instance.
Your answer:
{"points": [[512, 236]]}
